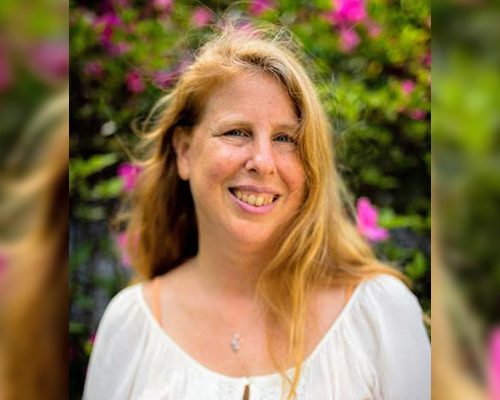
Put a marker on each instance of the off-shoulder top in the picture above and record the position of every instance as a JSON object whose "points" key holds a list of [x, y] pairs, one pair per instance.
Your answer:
{"points": [[377, 348]]}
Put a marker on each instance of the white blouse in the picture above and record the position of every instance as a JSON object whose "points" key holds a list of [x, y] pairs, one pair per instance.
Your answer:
{"points": [[376, 349]]}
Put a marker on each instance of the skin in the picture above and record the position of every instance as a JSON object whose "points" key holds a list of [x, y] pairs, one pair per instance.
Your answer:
{"points": [[246, 138]]}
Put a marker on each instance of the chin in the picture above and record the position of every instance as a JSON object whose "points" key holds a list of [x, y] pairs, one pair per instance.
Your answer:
{"points": [[252, 234]]}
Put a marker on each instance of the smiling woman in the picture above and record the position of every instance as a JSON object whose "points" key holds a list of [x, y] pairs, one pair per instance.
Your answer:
{"points": [[235, 160], [257, 284]]}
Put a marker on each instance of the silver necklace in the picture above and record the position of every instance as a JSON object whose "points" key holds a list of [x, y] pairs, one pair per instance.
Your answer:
{"points": [[236, 342]]}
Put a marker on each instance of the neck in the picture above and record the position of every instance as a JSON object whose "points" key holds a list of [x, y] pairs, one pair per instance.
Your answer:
{"points": [[230, 270]]}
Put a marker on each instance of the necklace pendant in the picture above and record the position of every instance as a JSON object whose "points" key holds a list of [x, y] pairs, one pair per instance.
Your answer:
{"points": [[246, 393], [235, 342]]}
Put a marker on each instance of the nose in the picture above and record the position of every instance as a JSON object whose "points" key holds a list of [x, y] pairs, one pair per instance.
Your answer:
{"points": [[261, 157]]}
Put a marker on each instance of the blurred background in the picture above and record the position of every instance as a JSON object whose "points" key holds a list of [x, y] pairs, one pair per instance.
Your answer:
{"points": [[371, 62]]}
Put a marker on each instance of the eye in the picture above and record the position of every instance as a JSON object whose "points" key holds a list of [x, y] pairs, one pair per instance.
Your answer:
{"points": [[285, 138], [236, 133]]}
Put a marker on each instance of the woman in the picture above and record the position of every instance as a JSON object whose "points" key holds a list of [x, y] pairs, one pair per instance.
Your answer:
{"points": [[258, 285]]}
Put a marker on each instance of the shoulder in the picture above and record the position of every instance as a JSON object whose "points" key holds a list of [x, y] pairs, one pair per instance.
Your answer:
{"points": [[392, 334], [389, 293], [125, 309], [387, 308], [123, 326], [125, 299]]}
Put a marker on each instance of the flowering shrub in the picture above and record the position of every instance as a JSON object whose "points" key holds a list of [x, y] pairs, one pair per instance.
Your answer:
{"points": [[371, 61]]}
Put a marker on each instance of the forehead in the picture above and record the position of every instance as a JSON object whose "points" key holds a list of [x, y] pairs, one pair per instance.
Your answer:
{"points": [[257, 97]]}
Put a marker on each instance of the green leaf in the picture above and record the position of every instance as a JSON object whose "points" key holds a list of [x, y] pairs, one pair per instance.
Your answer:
{"points": [[84, 168], [107, 189], [390, 220], [417, 268]]}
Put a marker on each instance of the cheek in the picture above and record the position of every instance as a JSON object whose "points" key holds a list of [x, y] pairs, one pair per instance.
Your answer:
{"points": [[216, 165], [216, 172], [294, 175]]}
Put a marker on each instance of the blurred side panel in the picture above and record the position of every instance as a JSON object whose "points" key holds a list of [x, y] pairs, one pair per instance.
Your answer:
{"points": [[33, 199], [466, 197]]}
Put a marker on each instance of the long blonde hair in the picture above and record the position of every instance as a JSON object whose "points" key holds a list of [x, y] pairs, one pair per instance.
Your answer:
{"points": [[321, 246]]}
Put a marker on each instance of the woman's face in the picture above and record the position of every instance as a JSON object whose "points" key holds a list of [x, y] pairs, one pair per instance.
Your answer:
{"points": [[242, 160]]}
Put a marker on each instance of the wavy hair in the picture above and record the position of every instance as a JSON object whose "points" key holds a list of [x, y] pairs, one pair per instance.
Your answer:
{"points": [[320, 247]]}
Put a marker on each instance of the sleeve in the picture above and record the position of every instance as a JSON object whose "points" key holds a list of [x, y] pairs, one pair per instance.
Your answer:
{"points": [[115, 353], [402, 358]]}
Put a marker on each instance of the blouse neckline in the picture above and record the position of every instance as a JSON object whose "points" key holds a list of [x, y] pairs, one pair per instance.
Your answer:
{"points": [[254, 378]]}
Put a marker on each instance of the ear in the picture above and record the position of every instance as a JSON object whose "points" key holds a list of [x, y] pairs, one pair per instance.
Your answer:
{"points": [[182, 143]]}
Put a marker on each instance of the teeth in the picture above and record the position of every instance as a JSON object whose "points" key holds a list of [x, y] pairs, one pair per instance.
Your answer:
{"points": [[253, 199]]}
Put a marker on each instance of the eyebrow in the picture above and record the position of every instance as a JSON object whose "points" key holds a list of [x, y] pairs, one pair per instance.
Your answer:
{"points": [[292, 127]]}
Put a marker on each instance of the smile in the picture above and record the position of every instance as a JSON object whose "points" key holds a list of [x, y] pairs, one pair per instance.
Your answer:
{"points": [[252, 198]]}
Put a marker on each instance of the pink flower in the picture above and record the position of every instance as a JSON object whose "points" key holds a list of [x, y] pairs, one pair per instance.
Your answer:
{"points": [[108, 19], [367, 216], [349, 40], [164, 79], [135, 84], [122, 242], [202, 16], [417, 114], [129, 173], [407, 86], [257, 7], [93, 69], [106, 24], [163, 5], [494, 364], [348, 12]]}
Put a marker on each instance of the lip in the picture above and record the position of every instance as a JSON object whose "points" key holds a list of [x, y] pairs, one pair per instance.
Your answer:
{"points": [[248, 208]]}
